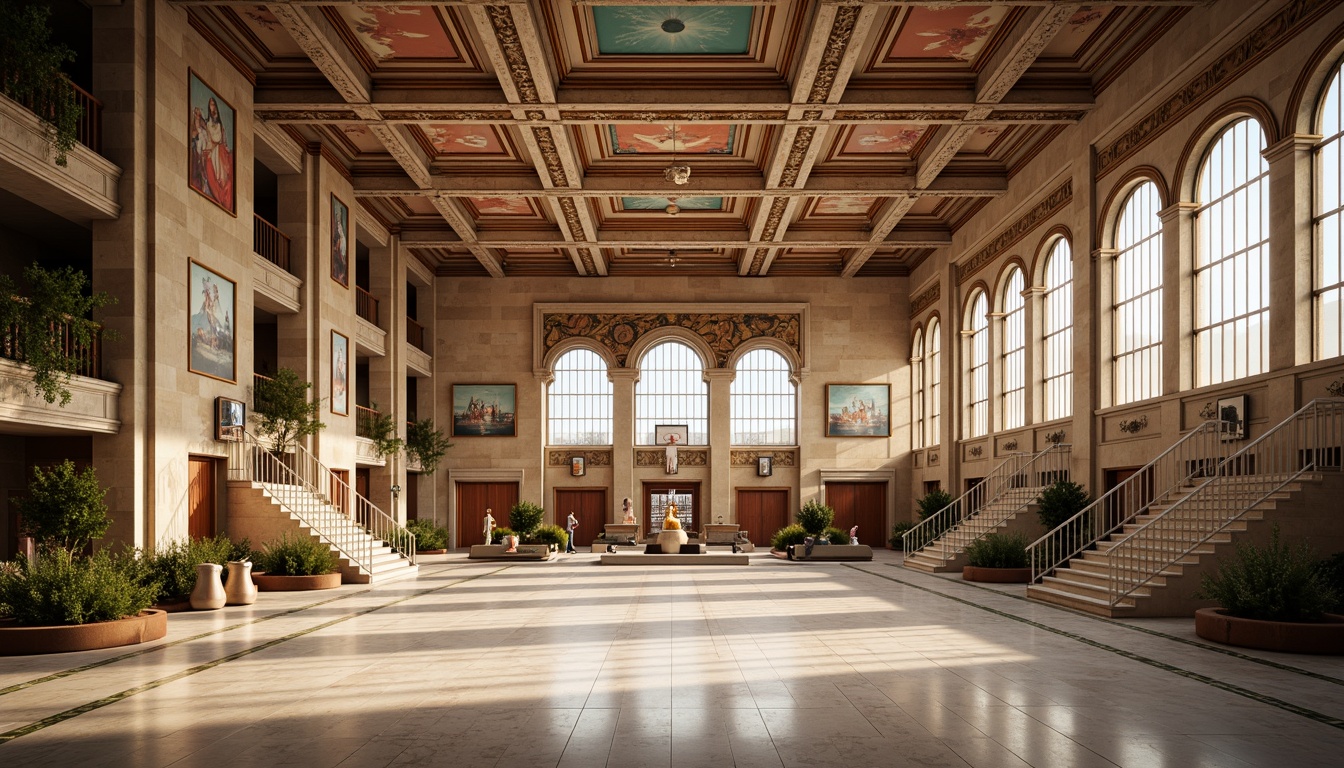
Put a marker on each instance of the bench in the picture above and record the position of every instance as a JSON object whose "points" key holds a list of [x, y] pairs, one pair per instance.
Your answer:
{"points": [[834, 552], [497, 552]]}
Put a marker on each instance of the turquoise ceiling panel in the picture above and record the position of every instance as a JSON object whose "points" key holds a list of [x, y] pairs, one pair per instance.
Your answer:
{"points": [[663, 30]]}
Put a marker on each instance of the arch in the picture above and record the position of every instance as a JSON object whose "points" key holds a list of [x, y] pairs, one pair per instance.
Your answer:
{"points": [[1300, 116], [655, 337], [1056, 329], [977, 286], [975, 393], [580, 399], [672, 393], [1327, 217], [1210, 130], [576, 342], [1000, 282], [1135, 280], [1109, 213], [789, 353], [763, 409], [1012, 349], [1043, 248], [918, 429], [933, 379]]}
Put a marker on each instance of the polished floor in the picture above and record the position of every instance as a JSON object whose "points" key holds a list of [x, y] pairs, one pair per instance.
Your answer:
{"points": [[572, 664]]}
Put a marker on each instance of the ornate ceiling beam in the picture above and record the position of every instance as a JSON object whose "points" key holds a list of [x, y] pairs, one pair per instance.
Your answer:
{"points": [[931, 3], [318, 39], [703, 184], [659, 239]]}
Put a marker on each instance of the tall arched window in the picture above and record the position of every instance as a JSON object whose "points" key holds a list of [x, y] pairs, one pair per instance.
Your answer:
{"points": [[579, 400], [1057, 339], [1013, 365], [764, 400], [933, 375], [976, 322], [672, 390], [917, 390], [1232, 257], [1328, 277], [1136, 325]]}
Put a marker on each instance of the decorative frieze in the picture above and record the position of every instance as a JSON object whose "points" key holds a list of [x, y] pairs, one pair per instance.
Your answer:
{"points": [[926, 298], [748, 458], [559, 458], [724, 332], [1134, 426], [506, 34], [1052, 204], [686, 457], [842, 31]]}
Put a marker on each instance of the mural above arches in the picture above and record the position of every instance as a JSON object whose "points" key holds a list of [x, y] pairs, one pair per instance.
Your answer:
{"points": [[723, 332]]}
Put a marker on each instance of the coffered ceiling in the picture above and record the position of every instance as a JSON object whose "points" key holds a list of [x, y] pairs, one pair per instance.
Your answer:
{"points": [[824, 137]]}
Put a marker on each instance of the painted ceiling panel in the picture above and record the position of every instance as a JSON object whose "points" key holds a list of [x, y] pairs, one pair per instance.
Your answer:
{"points": [[667, 138], [262, 23], [883, 139], [947, 33], [1080, 27], [502, 206], [660, 203], [394, 32], [843, 206], [684, 30], [468, 139]]}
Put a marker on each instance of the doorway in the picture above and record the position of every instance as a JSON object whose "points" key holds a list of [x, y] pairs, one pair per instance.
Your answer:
{"points": [[473, 499], [1138, 495], [201, 493], [861, 504], [588, 505], [340, 490], [762, 511], [658, 495]]}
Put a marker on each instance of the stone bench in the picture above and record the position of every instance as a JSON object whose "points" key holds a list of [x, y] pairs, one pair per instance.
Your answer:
{"points": [[834, 552], [497, 552]]}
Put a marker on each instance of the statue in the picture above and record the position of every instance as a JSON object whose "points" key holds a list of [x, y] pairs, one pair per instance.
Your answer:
{"points": [[854, 535], [670, 454], [627, 512], [489, 526], [670, 522]]}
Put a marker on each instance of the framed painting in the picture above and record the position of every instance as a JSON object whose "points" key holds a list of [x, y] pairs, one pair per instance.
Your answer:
{"points": [[210, 144], [484, 410], [858, 410], [340, 241], [340, 374], [1232, 414], [212, 308], [230, 417], [765, 466], [577, 466]]}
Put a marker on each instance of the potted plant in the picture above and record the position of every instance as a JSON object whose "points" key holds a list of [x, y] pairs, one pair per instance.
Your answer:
{"points": [[429, 540], [998, 558], [786, 536], [32, 62], [553, 535], [929, 505], [50, 322], [426, 444], [172, 567], [525, 518], [816, 517], [284, 411], [898, 532], [1275, 598], [296, 563]]}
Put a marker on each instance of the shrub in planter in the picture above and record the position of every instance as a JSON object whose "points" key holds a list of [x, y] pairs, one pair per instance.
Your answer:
{"points": [[933, 501], [1060, 501], [1278, 582], [525, 517], [296, 556], [1332, 570], [999, 550], [497, 537], [550, 534], [64, 589], [65, 508], [897, 540], [816, 517], [836, 536], [791, 534], [173, 566], [427, 536], [426, 443]]}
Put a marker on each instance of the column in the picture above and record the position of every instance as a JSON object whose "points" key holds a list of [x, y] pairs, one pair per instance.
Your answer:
{"points": [[720, 441], [387, 374], [1290, 256], [623, 443], [1178, 297]]}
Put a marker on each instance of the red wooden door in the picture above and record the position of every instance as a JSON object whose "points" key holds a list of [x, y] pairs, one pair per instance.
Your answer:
{"points": [[412, 493], [762, 511], [363, 479], [589, 505], [861, 504], [473, 499], [200, 497], [340, 489]]}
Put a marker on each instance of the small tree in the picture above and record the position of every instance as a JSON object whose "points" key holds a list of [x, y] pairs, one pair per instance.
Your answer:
{"points": [[284, 411], [50, 323], [815, 517], [65, 508], [1060, 501], [932, 502], [31, 62], [525, 518], [382, 430], [427, 444]]}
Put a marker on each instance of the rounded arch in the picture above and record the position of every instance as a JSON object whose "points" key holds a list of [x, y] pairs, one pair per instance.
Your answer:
{"points": [[996, 302], [1119, 197], [789, 354], [569, 345], [1301, 116], [657, 336], [1043, 248], [977, 287], [1210, 130]]}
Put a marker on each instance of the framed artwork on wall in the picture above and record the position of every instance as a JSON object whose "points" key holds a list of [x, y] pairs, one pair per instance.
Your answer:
{"points": [[484, 410], [210, 144], [858, 410], [577, 466], [1232, 414], [340, 241], [340, 374], [230, 418], [212, 307], [765, 466]]}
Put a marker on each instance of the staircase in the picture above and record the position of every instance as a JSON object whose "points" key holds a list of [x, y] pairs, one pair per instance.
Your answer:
{"points": [[1141, 549], [997, 504], [270, 496]]}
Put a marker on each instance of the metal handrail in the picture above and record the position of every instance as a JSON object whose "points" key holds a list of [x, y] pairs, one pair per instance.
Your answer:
{"points": [[1013, 472], [1312, 438], [1195, 455]]}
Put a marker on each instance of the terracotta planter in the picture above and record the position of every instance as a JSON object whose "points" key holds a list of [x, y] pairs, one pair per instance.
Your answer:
{"points": [[18, 640], [268, 583], [1324, 637], [996, 575], [177, 607], [431, 551]]}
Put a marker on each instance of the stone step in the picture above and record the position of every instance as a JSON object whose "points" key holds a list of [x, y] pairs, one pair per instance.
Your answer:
{"points": [[1096, 606]]}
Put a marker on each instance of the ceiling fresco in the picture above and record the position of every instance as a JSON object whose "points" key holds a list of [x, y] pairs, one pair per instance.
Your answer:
{"points": [[464, 139], [666, 138], [672, 30], [661, 203], [399, 32], [883, 139], [947, 33]]}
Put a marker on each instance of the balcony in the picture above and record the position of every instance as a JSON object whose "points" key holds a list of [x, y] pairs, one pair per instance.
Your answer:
{"points": [[415, 334], [83, 190], [275, 289], [93, 406], [369, 338], [365, 448], [366, 306], [270, 243]]}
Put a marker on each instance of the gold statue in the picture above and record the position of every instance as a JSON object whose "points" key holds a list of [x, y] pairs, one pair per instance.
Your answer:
{"points": [[670, 522]]}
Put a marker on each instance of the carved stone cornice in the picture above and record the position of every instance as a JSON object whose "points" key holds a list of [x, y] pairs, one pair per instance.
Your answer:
{"points": [[781, 458], [1273, 33], [926, 298], [1052, 204], [592, 458], [724, 332]]}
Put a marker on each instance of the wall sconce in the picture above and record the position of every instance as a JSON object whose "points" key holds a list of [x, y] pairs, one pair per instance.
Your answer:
{"points": [[396, 491]]}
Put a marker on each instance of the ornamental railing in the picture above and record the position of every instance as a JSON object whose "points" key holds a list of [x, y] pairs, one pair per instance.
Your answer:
{"points": [[269, 242]]}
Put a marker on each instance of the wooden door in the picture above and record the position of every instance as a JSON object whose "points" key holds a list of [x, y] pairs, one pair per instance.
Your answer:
{"points": [[340, 489], [362, 481], [861, 504], [589, 505], [657, 495], [473, 499], [762, 511], [1139, 493], [412, 492], [201, 491]]}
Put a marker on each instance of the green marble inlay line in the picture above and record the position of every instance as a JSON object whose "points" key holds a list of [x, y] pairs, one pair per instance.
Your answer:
{"points": [[1286, 706], [68, 714], [1186, 641], [143, 651]]}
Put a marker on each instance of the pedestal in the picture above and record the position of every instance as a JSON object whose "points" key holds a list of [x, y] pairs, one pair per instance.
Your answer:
{"points": [[671, 541]]}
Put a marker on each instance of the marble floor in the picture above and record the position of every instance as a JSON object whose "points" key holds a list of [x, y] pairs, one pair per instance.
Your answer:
{"points": [[571, 664]]}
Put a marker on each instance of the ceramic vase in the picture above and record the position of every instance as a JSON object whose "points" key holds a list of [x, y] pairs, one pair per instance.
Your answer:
{"points": [[240, 590], [209, 592]]}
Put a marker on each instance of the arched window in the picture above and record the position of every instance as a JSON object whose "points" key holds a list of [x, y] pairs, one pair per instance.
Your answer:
{"points": [[764, 400], [933, 374], [1057, 338], [579, 400], [1232, 257], [976, 322], [917, 390], [1013, 365], [1136, 364], [672, 390], [1328, 277]]}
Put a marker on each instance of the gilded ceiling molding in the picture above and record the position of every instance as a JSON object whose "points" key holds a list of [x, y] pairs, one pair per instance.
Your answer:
{"points": [[303, 28], [506, 34], [665, 116], [1036, 116], [899, 115], [1276, 31], [590, 458], [842, 31], [748, 458], [586, 257], [1053, 202], [758, 258], [926, 299], [722, 331], [802, 142], [555, 167]]}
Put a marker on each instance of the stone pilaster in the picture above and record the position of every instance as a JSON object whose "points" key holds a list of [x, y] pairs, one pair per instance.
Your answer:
{"points": [[1290, 244], [720, 438], [623, 442]]}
